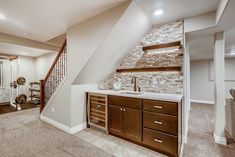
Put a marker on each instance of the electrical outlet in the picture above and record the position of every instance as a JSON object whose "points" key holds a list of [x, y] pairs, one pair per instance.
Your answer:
{"points": [[53, 109]]}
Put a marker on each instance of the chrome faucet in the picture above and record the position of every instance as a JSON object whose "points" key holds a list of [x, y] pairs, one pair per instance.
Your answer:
{"points": [[134, 81]]}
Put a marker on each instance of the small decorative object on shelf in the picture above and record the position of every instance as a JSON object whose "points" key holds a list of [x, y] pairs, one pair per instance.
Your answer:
{"points": [[35, 92]]}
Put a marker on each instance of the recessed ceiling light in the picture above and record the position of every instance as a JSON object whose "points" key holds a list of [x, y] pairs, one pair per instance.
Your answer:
{"points": [[2, 17], [158, 12]]}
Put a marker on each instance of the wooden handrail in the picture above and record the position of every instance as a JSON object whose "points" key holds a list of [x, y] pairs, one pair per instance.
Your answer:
{"points": [[55, 61]]}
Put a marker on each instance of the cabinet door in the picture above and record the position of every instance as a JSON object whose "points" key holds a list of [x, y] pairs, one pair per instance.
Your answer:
{"points": [[97, 111], [115, 120], [132, 124]]}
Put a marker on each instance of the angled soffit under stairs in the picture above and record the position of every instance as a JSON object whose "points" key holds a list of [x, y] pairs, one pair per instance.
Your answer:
{"points": [[128, 31], [83, 40]]}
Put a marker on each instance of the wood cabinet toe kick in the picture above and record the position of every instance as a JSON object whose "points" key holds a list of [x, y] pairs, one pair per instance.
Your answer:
{"points": [[150, 123]]}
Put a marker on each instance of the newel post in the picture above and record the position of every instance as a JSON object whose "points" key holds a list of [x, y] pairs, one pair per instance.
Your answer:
{"points": [[42, 95]]}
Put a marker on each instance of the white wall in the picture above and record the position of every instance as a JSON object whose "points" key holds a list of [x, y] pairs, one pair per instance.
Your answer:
{"points": [[82, 41], [43, 64], [199, 22], [26, 68], [128, 31], [133, 25], [78, 99], [202, 87], [206, 20]]}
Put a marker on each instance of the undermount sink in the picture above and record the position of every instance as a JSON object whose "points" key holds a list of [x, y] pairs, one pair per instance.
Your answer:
{"points": [[132, 93]]}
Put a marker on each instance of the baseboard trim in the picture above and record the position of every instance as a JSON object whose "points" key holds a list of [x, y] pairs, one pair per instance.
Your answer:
{"points": [[184, 139], [69, 130], [202, 101], [220, 140], [185, 136], [78, 128], [182, 150]]}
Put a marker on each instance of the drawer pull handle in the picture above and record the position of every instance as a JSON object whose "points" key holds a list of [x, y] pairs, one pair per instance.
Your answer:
{"points": [[98, 106], [121, 109], [124, 110], [157, 140], [158, 107], [158, 122]]}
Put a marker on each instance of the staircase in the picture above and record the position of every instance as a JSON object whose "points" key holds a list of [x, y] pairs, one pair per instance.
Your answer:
{"points": [[56, 74]]}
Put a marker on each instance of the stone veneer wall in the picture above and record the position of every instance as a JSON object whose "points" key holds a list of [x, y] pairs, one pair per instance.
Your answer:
{"points": [[163, 82]]}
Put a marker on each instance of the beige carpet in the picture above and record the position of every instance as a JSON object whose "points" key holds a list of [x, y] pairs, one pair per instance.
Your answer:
{"points": [[115, 145], [22, 134], [200, 139], [200, 134]]}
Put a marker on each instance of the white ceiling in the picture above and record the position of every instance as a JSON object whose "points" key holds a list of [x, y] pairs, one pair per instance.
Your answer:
{"points": [[201, 47], [230, 40], [201, 43], [176, 9], [44, 19], [6, 48]]}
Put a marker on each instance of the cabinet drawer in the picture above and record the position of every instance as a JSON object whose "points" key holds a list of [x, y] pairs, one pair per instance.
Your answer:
{"points": [[161, 122], [170, 108], [161, 141], [125, 102]]}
